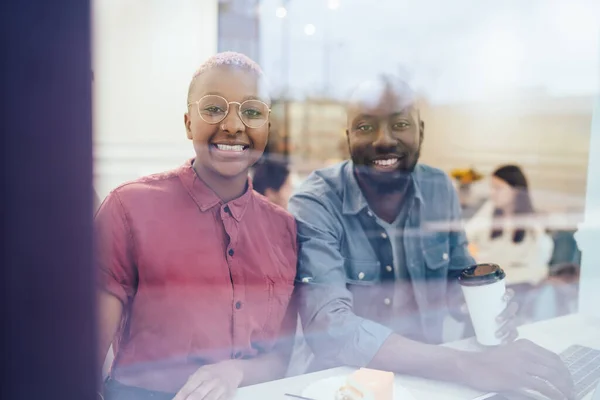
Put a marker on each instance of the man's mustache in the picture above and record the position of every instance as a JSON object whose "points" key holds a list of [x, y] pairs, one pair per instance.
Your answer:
{"points": [[380, 151], [369, 169]]}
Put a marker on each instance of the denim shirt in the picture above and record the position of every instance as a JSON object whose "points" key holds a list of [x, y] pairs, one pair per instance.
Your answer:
{"points": [[344, 279]]}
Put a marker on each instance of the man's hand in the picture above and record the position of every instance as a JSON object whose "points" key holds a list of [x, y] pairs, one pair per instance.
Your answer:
{"points": [[507, 319], [212, 382], [507, 330], [517, 366]]}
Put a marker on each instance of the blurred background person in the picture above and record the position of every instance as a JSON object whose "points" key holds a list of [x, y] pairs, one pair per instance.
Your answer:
{"points": [[272, 179], [506, 231], [464, 179]]}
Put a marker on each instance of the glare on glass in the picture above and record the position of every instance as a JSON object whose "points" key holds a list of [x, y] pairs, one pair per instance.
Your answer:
{"points": [[213, 109]]}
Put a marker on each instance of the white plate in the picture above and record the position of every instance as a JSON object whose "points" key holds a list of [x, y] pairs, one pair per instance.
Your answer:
{"points": [[325, 389]]}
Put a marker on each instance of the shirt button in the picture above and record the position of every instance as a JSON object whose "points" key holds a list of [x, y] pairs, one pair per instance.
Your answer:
{"points": [[361, 275], [445, 256], [231, 252], [238, 305], [384, 235], [387, 301], [369, 213], [306, 280], [388, 268], [227, 210]]}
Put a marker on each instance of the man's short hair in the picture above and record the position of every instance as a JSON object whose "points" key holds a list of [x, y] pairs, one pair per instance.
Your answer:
{"points": [[372, 91]]}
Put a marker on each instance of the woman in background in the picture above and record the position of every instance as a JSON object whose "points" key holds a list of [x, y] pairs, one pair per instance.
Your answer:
{"points": [[505, 231]]}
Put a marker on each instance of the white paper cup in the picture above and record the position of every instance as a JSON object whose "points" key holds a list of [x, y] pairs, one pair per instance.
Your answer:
{"points": [[484, 287]]}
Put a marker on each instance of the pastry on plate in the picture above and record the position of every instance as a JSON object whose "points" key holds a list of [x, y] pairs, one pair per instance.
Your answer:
{"points": [[367, 384]]}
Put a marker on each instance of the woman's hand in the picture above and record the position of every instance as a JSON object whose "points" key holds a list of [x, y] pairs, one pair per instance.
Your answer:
{"points": [[213, 382]]}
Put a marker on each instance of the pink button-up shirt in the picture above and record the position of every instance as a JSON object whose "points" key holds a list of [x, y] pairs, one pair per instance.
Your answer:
{"points": [[201, 281]]}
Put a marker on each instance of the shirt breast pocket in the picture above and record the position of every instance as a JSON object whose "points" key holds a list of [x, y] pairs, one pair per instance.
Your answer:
{"points": [[436, 253], [279, 292], [363, 280], [362, 272]]}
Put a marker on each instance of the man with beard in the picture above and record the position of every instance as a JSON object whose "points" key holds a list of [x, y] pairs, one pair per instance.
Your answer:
{"points": [[377, 274]]}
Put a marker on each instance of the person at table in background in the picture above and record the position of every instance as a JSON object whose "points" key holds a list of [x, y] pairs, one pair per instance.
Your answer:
{"points": [[375, 280], [196, 270], [272, 179], [505, 230]]}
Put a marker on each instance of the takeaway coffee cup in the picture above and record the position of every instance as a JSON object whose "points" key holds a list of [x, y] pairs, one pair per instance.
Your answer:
{"points": [[484, 287]]}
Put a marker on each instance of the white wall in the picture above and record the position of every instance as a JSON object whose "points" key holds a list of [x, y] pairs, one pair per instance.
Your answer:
{"points": [[145, 52]]}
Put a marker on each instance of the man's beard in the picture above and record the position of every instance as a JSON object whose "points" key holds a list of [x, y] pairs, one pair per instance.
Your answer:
{"points": [[390, 181]]}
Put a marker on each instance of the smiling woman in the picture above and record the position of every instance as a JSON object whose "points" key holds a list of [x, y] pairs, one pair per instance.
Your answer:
{"points": [[184, 285], [227, 143]]}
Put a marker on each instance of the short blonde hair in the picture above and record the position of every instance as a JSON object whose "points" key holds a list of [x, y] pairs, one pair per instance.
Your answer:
{"points": [[227, 58]]}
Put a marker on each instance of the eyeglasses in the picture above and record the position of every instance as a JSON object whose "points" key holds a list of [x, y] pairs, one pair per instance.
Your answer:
{"points": [[213, 109]]}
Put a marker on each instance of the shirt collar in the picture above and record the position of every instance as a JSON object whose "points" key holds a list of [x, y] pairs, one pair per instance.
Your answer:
{"points": [[206, 198], [353, 199]]}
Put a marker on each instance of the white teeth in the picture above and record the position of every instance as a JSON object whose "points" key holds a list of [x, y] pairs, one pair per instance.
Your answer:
{"points": [[386, 163], [226, 147]]}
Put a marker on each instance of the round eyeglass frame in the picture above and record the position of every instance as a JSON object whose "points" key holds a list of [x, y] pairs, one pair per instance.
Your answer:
{"points": [[197, 103]]}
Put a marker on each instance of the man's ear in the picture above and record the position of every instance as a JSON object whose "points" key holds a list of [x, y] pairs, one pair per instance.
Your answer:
{"points": [[421, 130], [188, 125]]}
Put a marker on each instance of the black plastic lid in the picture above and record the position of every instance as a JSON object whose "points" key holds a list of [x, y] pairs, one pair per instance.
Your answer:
{"points": [[481, 274]]}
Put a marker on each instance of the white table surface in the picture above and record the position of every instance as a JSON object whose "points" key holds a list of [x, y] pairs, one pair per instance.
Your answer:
{"points": [[555, 335]]}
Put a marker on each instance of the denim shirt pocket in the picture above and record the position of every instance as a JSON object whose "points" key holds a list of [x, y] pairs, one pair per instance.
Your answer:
{"points": [[436, 252], [436, 256], [363, 281], [362, 272]]}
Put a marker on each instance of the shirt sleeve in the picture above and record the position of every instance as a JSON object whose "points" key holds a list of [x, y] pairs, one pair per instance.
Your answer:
{"points": [[460, 257], [116, 269], [336, 335]]}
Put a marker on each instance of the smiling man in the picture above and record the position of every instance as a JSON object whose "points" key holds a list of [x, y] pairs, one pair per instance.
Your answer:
{"points": [[375, 279]]}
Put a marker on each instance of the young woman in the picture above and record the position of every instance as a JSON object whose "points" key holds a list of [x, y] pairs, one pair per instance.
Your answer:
{"points": [[505, 231], [196, 270]]}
